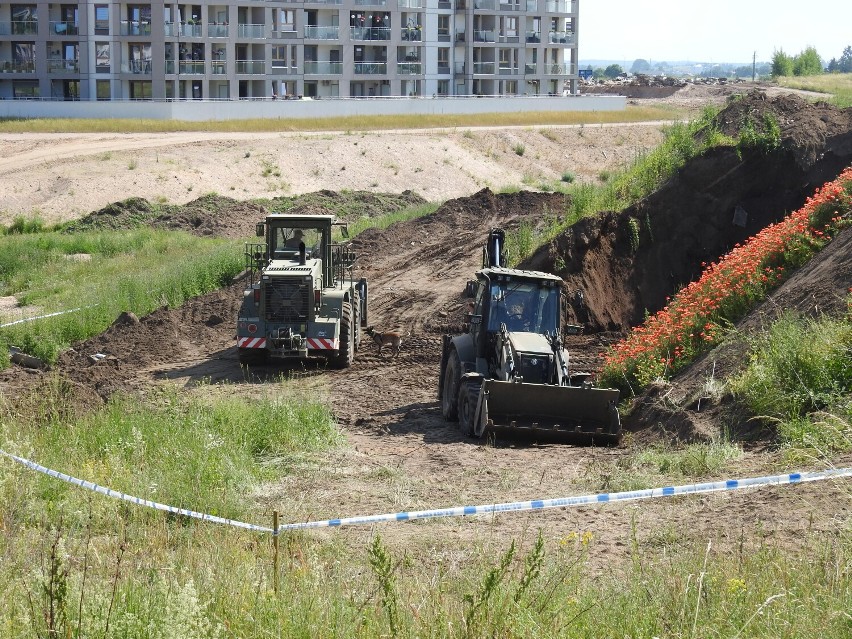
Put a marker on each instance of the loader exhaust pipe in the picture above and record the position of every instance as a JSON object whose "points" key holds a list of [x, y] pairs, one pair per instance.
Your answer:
{"points": [[494, 255]]}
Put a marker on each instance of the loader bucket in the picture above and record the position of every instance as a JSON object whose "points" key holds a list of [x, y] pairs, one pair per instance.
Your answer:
{"points": [[567, 414]]}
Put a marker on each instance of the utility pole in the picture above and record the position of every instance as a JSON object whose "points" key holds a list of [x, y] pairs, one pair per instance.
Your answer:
{"points": [[753, 65]]}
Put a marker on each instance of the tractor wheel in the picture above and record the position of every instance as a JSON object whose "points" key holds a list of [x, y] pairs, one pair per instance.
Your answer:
{"points": [[253, 356], [356, 321], [344, 357], [450, 391], [468, 397]]}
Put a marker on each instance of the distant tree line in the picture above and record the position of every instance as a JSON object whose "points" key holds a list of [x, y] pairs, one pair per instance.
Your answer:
{"points": [[808, 62]]}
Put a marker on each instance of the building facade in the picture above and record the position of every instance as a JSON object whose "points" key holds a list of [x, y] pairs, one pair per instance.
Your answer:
{"points": [[286, 48]]}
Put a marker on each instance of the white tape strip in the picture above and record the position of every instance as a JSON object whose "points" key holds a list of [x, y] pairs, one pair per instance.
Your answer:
{"points": [[134, 500], [38, 317], [460, 511]]}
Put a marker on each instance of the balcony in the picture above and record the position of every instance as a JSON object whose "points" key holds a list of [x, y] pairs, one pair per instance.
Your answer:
{"points": [[217, 30], [323, 1], [218, 67], [371, 68], [507, 70], [560, 37], [317, 67], [251, 30], [17, 66], [409, 68], [24, 27], [483, 36], [460, 36], [530, 69], [443, 68], [58, 65], [459, 68], [191, 67], [313, 32], [532, 6], [369, 33], [134, 28], [411, 34], [558, 69], [484, 68], [251, 67], [371, 3], [509, 37], [186, 30], [445, 4], [558, 6], [533, 36], [137, 67], [64, 28], [411, 4]]}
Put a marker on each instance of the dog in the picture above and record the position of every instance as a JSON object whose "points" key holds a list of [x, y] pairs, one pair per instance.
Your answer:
{"points": [[394, 340]]}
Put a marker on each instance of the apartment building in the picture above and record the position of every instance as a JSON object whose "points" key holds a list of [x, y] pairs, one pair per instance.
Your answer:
{"points": [[286, 48]]}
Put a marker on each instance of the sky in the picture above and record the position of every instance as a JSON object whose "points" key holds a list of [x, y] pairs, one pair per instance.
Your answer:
{"points": [[711, 31]]}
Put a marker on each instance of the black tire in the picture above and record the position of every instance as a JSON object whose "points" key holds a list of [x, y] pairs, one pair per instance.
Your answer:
{"points": [[356, 321], [450, 389], [346, 354], [468, 397], [253, 356]]}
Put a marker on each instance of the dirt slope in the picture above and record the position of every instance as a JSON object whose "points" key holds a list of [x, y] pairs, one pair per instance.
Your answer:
{"points": [[403, 456]]}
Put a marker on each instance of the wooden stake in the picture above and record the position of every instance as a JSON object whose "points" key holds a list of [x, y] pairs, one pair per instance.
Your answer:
{"points": [[275, 550]]}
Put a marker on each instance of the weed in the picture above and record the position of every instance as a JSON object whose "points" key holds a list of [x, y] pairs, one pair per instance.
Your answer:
{"points": [[519, 149], [633, 233], [568, 177], [383, 569], [132, 164]]}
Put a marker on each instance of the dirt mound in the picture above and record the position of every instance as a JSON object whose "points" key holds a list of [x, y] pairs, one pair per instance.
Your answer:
{"points": [[620, 266], [219, 216]]}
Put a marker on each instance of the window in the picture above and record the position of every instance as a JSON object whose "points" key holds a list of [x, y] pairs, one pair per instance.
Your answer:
{"points": [[103, 89], [443, 87], [102, 57], [140, 90], [26, 89], [279, 57], [101, 19], [443, 60], [443, 28]]}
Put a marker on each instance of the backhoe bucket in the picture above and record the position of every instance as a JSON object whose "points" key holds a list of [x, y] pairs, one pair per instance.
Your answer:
{"points": [[569, 414]]}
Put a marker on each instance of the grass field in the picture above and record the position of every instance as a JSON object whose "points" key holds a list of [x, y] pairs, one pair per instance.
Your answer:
{"points": [[839, 85]]}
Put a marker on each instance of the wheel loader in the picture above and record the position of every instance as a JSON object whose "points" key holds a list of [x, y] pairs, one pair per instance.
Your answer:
{"points": [[301, 299], [509, 373]]}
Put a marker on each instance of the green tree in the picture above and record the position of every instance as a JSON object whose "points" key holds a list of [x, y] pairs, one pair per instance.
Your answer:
{"points": [[640, 66], [833, 66], [807, 62], [845, 62], [613, 71], [598, 73], [782, 64]]}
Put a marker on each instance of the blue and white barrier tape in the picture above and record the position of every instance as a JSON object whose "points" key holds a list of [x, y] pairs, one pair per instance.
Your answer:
{"points": [[460, 511], [38, 317], [82, 483]]}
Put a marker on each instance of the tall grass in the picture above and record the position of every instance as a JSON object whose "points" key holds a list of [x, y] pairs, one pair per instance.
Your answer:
{"points": [[839, 85], [136, 271], [800, 378], [352, 123], [384, 220]]}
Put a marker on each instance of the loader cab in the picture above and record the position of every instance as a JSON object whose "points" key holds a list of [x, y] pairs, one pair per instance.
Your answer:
{"points": [[525, 301], [287, 234]]}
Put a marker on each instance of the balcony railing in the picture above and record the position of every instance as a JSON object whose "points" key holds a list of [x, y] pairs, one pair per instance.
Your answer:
{"points": [[558, 6], [533, 36], [487, 5], [183, 30], [141, 67], [411, 34], [313, 32], [558, 69], [369, 33], [191, 67], [443, 34], [483, 36], [217, 30], [10, 66], [411, 4], [409, 68], [372, 3], [530, 69], [324, 1], [24, 27], [508, 36], [460, 36], [532, 6], [560, 37], [134, 27], [218, 67], [507, 70], [58, 65], [64, 28], [445, 4], [322, 67], [484, 68], [371, 68], [251, 67], [251, 30], [459, 68]]}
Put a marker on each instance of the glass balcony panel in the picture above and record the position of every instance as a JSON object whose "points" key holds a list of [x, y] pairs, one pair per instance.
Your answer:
{"points": [[250, 30], [134, 27], [507, 70], [10, 66], [251, 67], [369, 33], [189, 67], [24, 27], [190, 30], [371, 68], [459, 68], [560, 37], [529, 68], [484, 68], [218, 67], [323, 67], [217, 30], [322, 33], [411, 4], [409, 68], [533, 36], [411, 34], [58, 65], [532, 6], [483, 36], [139, 67], [487, 5], [372, 3]]}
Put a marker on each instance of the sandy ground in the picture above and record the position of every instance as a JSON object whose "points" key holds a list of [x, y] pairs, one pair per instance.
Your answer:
{"points": [[63, 176]]}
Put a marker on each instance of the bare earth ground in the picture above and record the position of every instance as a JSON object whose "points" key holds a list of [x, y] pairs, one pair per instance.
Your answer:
{"points": [[402, 455]]}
